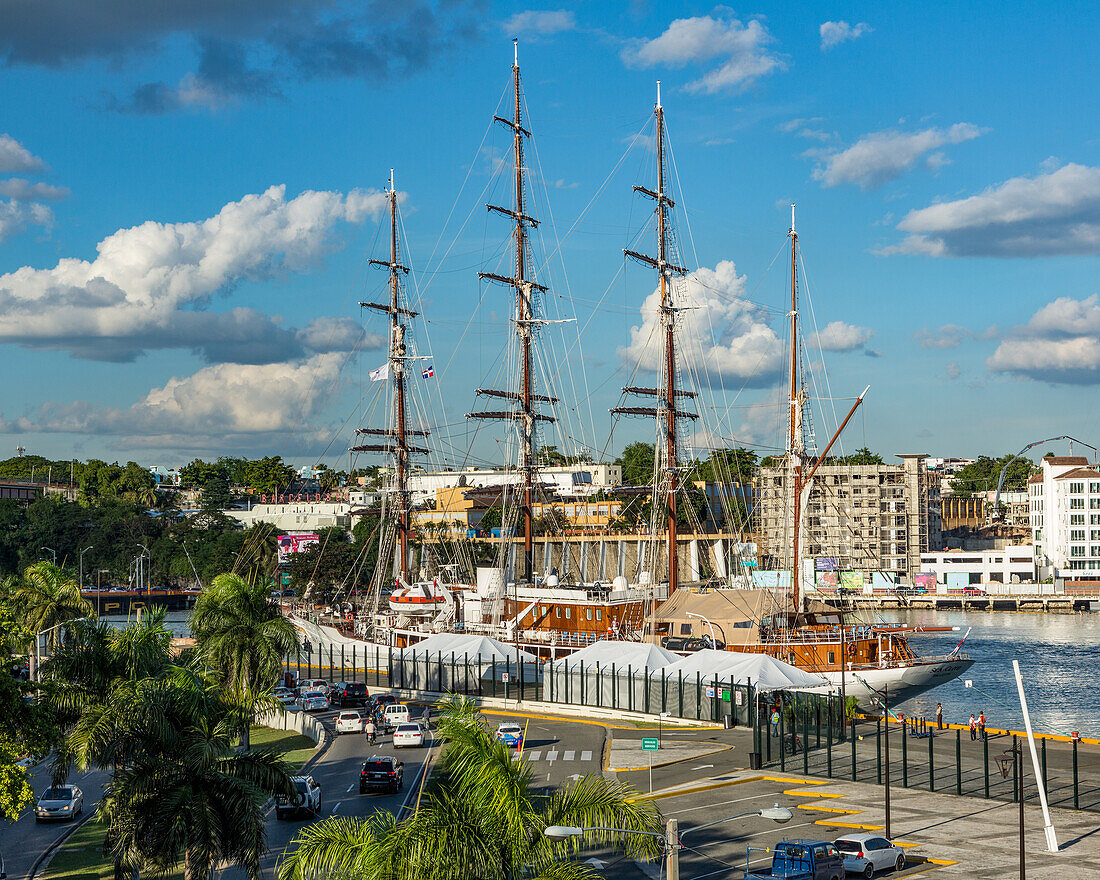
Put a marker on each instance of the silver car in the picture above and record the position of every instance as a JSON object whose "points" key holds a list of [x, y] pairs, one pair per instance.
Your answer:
{"points": [[866, 853], [59, 802]]}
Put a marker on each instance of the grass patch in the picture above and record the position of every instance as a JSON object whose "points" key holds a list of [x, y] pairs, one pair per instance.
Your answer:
{"points": [[81, 856]]}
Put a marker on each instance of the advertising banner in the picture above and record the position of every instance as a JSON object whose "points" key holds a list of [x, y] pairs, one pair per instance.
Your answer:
{"points": [[828, 579], [827, 563], [290, 544], [853, 579], [927, 580]]}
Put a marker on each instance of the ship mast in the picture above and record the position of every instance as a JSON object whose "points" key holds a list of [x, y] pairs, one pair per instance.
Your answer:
{"points": [[795, 445], [666, 412], [399, 433], [525, 409]]}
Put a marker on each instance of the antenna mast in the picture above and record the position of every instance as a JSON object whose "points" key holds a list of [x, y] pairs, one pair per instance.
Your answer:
{"points": [[525, 410], [666, 412], [398, 434]]}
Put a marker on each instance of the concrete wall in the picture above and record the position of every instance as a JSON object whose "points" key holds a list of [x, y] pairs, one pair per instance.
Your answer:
{"points": [[300, 722]]}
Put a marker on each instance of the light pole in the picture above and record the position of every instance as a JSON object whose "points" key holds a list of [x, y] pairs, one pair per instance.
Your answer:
{"points": [[99, 587], [1014, 758], [38, 641], [671, 836], [713, 640], [52, 552], [82, 552]]}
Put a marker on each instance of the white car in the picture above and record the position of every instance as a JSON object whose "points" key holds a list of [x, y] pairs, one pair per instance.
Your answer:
{"points": [[866, 853], [406, 735], [59, 802], [314, 701], [307, 796], [284, 696], [350, 722], [395, 714]]}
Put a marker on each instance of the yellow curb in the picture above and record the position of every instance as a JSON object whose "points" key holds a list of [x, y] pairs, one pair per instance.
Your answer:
{"points": [[678, 791], [542, 717], [855, 825], [794, 792], [836, 810]]}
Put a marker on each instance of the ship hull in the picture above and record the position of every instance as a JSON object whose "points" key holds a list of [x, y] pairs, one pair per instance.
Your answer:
{"points": [[899, 683]]}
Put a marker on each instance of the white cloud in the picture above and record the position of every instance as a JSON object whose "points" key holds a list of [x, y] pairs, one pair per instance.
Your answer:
{"points": [[16, 216], [882, 156], [151, 285], [725, 337], [221, 404], [833, 33], [839, 336], [25, 191], [1052, 214], [741, 50], [15, 157], [953, 370], [947, 336], [1060, 344], [544, 22]]}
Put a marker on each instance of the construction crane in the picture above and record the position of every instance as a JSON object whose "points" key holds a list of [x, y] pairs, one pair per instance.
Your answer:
{"points": [[995, 513]]}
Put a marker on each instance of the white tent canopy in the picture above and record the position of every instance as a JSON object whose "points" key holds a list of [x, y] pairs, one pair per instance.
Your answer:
{"points": [[622, 655], [468, 645], [764, 672]]}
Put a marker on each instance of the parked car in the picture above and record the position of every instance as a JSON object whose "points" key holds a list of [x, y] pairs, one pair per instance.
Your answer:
{"points": [[350, 721], [510, 733], [395, 713], [284, 695], [59, 802], [973, 591], [866, 853], [314, 701], [673, 643], [382, 774], [802, 860], [348, 693], [312, 684], [307, 796], [406, 735]]}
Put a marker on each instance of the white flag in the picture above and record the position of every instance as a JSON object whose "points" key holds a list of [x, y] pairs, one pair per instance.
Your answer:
{"points": [[382, 373]]}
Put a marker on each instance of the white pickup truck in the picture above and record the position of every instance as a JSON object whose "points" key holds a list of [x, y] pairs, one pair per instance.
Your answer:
{"points": [[307, 796]]}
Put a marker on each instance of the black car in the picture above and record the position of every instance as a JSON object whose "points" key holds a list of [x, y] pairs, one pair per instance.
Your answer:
{"points": [[348, 693], [382, 774]]}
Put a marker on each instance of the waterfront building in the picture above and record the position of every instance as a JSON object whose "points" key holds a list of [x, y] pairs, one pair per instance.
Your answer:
{"points": [[570, 480], [867, 519], [1014, 564], [306, 516], [1064, 508]]}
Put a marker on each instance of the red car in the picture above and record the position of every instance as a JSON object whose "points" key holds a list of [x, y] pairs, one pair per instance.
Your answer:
{"points": [[973, 591]]}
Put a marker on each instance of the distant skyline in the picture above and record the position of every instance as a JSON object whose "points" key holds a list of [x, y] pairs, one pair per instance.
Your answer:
{"points": [[189, 194]]}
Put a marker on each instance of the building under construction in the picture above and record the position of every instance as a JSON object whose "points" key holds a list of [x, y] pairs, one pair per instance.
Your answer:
{"points": [[856, 518]]}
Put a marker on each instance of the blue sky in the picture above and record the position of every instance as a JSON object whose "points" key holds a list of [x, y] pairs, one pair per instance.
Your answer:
{"points": [[227, 161]]}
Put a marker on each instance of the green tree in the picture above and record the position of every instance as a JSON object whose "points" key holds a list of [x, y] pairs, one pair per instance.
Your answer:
{"points": [[863, 455], [481, 816], [244, 637], [981, 475], [268, 474], [637, 462], [181, 791], [47, 599]]}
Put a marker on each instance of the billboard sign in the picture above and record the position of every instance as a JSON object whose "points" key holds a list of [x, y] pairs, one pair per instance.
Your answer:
{"points": [[290, 544], [828, 579], [925, 579], [852, 579], [827, 563]]}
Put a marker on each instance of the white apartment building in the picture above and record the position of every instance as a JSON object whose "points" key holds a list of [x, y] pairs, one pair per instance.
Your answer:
{"points": [[305, 516], [572, 480], [1064, 510], [1014, 564]]}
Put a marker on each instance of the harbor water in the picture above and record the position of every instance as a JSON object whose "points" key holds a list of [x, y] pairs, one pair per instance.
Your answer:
{"points": [[1059, 656]]}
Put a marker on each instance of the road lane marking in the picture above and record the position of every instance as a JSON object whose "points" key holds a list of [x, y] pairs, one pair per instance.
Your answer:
{"points": [[534, 756], [350, 787], [337, 807], [586, 756], [702, 767], [569, 755], [552, 755]]}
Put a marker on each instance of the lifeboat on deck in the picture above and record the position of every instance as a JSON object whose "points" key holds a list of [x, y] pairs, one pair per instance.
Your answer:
{"points": [[421, 598]]}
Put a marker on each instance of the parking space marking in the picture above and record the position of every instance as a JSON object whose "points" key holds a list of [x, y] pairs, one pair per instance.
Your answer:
{"points": [[534, 756], [569, 755], [586, 755]]}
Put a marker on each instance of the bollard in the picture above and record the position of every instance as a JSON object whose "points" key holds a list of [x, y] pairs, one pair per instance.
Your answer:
{"points": [[1076, 800], [931, 764], [958, 763]]}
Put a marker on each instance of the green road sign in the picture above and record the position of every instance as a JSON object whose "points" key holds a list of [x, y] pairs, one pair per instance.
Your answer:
{"points": [[286, 579], [650, 744]]}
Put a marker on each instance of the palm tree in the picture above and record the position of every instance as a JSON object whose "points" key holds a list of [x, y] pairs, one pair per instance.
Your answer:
{"points": [[48, 598], [242, 634], [181, 791], [479, 817]]}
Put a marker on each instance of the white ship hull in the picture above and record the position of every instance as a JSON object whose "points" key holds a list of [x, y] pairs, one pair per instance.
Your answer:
{"points": [[900, 683]]}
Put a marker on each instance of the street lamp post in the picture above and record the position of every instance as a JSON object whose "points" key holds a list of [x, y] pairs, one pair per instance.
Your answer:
{"points": [[82, 552], [671, 836], [1013, 759], [52, 552]]}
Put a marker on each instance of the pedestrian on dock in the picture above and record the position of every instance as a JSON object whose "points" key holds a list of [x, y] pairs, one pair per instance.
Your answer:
{"points": [[973, 727], [775, 722], [939, 717], [981, 724]]}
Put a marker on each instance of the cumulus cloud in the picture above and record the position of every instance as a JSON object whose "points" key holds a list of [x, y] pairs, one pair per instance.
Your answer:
{"points": [[1060, 344], [807, 128], [330, 39], [543, 23], [16, 216], [953, 370], [15, 157], [833, 33], [150, 286], [947, 336], [839, 336], [742, 52], [883, 156], [223, 404], [727, 338], [25, 191], [1055, 213]]}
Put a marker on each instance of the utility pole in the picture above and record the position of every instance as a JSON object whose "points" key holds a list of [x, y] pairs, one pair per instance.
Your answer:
{"points": [[398, 435], [886, 751], [525, 410], [672, 848], [666, 412]]}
